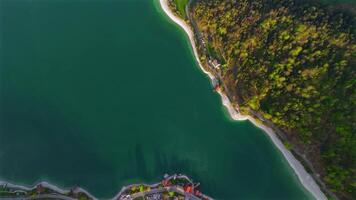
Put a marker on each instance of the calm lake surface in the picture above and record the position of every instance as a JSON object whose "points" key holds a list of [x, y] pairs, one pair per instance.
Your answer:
{"points": [[104, 93]]}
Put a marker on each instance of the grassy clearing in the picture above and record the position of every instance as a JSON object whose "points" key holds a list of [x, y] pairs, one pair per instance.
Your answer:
{"points": [[181, 4]]}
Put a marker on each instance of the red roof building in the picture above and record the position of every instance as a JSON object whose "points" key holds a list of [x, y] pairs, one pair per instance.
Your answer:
{"points": [[188, 189], [166, 183]]}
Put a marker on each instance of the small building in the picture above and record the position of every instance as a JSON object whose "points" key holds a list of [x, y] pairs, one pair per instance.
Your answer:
{"points": [[188, 189], [166, 183], [39, 189], [216, 64]]}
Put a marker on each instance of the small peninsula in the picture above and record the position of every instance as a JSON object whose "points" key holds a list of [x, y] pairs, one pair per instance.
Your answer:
{"points": [[290, 66]]}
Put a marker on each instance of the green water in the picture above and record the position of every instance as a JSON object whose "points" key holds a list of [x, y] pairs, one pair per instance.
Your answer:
{"points": [[104, 93]]}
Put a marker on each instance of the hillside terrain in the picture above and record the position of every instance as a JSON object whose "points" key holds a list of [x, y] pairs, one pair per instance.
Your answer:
{"points": [[293, 63]]}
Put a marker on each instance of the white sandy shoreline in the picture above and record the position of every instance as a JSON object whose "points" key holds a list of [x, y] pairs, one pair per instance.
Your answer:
{"points": [[305, 178]]}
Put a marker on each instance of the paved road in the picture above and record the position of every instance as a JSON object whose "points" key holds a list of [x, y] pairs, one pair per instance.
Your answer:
{"points": [[199, 39], [154, 191], [166, 189]]}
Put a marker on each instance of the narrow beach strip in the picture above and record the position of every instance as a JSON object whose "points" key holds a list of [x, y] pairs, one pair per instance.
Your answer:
{"points": [[307, 181]]}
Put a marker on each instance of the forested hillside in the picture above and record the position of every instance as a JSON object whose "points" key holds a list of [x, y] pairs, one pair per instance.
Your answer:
{"points": [[294, 63]]}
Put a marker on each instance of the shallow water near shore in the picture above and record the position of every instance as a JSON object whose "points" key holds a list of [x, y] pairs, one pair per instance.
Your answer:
{"points": [[106, 93]]}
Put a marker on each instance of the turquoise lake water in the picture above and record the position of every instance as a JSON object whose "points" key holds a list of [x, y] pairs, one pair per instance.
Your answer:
{"points": [[103, 93]]}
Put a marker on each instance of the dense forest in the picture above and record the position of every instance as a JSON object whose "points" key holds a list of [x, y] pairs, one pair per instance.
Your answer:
{"points": [[293, 62]]}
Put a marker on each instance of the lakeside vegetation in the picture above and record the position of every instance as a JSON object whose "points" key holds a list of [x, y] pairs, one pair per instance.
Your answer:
{"points": [[293, 62], [176, 186], [179, 8], [41, 192]]}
